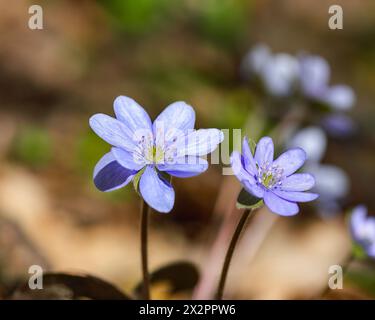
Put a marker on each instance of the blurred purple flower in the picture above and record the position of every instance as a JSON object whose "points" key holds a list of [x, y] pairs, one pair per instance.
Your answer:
{"points": [[254, 60], [340, 97], [311, 139], [363, 229], [275, 181], [145, 150], [331, 182], [279, 74], [314, 75], [314, 82], [339, 125]]}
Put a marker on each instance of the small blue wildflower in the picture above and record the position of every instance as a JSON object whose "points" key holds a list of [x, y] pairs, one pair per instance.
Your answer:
{"points": [[275, 181], [254, 61], [331, 182], [146, 151], [314, 81], [363, 229], [339, 125], [280, 74]]}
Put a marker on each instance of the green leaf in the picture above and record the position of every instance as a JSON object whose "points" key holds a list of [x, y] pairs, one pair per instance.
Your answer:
{"points": [[358, 252], [136, 179], [246, 200]]}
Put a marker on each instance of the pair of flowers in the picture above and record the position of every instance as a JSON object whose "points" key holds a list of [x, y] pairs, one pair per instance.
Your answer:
{"points": [[149, 153], [282, 73]]}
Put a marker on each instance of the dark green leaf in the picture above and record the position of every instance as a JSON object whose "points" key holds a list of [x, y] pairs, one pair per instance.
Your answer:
{"points": [[246, 200]]}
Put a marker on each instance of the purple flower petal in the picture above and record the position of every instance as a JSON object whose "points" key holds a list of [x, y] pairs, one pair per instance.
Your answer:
{"points": [[298, 182], [264, 151], [109, 175], [279, 205], [131, 114], [248, 158], [279, 74], [255, 60], [238, 169], [339, 125], [291, 160], [113, 131], [296, 196], [254, 189], [311, 139], [331, 181], [314, 74], [340, 97], [200, 142], [127, 160], [177, 116], [363, 229], [185, 167], [246, 179], [358, 221], [157, 192], [371, 251]]}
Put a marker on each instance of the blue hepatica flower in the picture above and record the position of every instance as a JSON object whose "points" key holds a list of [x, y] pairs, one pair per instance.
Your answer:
{"points": [[275, 181], [363, 229], [278, 72], [282, 73], [314, 80], [331, 182], [339, 125], [144, 151]]}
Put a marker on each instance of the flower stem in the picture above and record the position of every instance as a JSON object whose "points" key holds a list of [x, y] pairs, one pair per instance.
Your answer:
{"points": [[144, 225], [229, 255]]}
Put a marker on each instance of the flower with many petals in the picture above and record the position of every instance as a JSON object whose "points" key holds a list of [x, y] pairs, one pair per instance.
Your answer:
{"points": [[275, 181], [363, 230], [146, 151]]}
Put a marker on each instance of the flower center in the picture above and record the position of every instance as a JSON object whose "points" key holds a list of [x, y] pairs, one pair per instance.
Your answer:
{"points": [[155, 151], [154, 154], [270, 175]]}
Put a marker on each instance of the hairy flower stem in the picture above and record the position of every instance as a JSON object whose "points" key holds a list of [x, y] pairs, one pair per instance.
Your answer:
{"points": [[144, 226], [229, 255]]}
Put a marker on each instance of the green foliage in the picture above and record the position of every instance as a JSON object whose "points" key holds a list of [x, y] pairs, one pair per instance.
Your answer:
{"points": [[136, 16], [234, 110], [223, 21], [90, 148], [364, 279], [358, 252], [33, 146]]}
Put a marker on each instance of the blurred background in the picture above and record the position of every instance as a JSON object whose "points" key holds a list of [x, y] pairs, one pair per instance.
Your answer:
{"points": [[157, 52]]}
